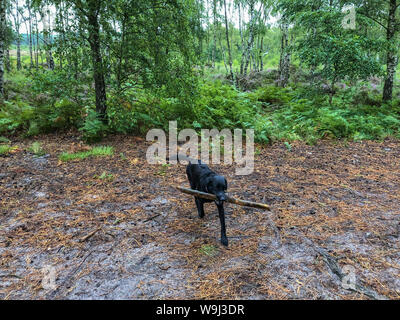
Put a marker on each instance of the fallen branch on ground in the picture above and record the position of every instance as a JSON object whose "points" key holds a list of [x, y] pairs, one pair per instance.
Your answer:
{"points": [[333, 265], [209, 196], [152, 218], [90, 235]]}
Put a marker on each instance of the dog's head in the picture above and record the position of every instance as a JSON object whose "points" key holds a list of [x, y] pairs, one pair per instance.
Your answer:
{"points": [[217, 185]]}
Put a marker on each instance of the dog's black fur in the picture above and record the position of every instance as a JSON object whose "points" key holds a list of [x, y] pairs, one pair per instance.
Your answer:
{"points": [[202, 178]]}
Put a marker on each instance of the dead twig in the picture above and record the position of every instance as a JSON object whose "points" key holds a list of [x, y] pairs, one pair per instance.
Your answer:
{"points": [[333, 265], [87, 237], [152, 218], [68, 278], [209, 196], [10, 276]]}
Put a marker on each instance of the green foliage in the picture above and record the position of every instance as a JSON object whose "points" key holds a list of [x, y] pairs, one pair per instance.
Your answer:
{"points": [[324, 45], [36, 149], [4, 150], [221, 106], [273, 95], [105, 176], [4, 140], [15, 116], [288, 146], [93, 128], [40, 114], [102, 151], [123, 156], [307, 120], [208, 250]]}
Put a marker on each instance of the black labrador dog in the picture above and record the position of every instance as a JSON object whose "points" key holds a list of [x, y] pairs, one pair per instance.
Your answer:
{"points": [[202, 178]]}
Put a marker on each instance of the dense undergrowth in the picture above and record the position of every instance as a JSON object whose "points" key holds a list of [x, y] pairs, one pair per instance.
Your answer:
{"points": [[46, 102]]}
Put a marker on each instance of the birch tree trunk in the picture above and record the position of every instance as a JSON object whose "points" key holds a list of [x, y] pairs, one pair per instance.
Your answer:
{"points": [[246, 54], [17, 24], [391, 56], [2, 45], [27, 22], [228, 43], [47, 39], [29, 29], [214, 48], [223, 53], [284, 63], [37, 42]]}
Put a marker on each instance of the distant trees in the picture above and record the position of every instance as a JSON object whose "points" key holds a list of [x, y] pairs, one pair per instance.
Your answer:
{"points": [[89, 13], [157, 44], [340, 53], [121, 43], [386, 15], [2, 44]]}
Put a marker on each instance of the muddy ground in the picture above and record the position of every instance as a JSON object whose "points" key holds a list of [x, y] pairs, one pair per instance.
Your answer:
{"points": [[130, 235]]}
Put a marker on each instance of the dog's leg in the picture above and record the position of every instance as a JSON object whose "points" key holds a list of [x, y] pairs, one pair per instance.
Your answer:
{"points": [[221, 212], [200, 207]]}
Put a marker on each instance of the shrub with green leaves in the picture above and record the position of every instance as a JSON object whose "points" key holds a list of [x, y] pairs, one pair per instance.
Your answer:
{"points": [[93, 128], [222, 106], [273, 95], [15, 116]]}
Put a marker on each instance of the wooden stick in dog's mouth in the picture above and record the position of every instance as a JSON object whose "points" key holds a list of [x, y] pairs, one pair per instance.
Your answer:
{"points": [[210, 196]]}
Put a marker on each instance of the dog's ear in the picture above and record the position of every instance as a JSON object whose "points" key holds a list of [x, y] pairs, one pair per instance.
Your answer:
{"points": [[226, 185]]}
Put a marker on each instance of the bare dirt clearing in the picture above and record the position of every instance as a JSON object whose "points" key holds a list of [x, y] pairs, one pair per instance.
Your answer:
{"points": [[131, 235]]}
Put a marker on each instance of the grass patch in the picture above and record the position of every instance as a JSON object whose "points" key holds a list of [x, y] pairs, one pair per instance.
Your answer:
{"points": [[36, 149], [4, 150], [102, 151], [105, 176], [208, 250], [4, 140]]}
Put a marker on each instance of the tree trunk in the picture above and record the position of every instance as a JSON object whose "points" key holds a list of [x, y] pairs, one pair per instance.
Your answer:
{"points": [[284, 64], [240, 27], [47, 38], [223, 53], [214, 48], [121, 54], [392, 58], [19, 65], [262, 54], [97, 60], [37, 42], [17, 24], [228, 43], [29, 28], [8, 60], [2, 45], [247, 53]]}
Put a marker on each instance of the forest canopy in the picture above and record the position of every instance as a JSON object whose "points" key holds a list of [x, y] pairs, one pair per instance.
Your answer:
{"points": [[290, 69]]}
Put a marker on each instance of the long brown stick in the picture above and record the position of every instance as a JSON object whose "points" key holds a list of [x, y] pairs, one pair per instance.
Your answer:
{"points": [[209, 196]]}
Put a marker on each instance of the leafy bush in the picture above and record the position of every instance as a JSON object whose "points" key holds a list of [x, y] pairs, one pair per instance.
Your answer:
{"points": [[273, 95], [93, 128], [300, 113], [221, 106], [15, 116]]}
